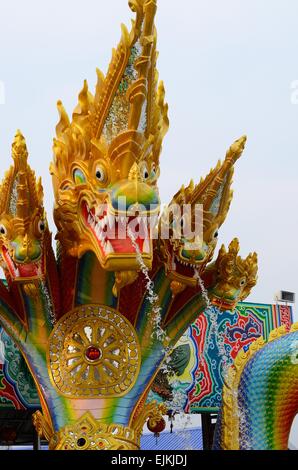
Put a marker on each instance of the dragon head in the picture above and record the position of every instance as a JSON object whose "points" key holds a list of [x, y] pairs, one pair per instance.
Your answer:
{"points": [[187, 254], [23, 225], [235, 277], [106, 161]]}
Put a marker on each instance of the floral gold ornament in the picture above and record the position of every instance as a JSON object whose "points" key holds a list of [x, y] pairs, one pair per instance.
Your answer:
{"points": [[93, 352], [88, 434]]}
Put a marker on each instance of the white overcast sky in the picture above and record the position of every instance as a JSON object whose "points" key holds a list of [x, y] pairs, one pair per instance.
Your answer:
{"points": [[227, 67]]}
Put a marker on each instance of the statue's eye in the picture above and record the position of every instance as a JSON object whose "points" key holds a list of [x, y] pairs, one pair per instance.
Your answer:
{"points": [[79, 177], [3, 230], [145, 173], [215, 235], [184, 221], [41, 226], [242, 282], [100, 174]]}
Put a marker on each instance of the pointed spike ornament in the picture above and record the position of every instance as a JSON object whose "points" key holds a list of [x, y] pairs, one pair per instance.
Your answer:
{"points": [[20, 157], [127, 117], [19, 151]]}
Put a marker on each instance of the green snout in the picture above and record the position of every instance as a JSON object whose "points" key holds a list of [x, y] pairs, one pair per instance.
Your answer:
{"points": [[133, 194], [26, 250]]}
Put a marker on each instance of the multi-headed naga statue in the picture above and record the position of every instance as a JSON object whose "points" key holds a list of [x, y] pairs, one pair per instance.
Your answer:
{"points": [[96, 322]]}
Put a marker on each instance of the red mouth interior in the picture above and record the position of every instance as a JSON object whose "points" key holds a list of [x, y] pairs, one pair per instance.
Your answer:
{"points": [[184, 269], [111, 232], [26, 270], [223, 304]]}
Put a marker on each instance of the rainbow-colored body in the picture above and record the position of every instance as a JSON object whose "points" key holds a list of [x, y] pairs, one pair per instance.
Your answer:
{"points": [[260, 396]]}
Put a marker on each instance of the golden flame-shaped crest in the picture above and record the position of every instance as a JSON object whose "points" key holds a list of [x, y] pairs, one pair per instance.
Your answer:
{"points": [[126, 119]]}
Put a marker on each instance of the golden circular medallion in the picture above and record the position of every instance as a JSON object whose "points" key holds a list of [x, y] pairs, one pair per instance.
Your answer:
{"points": [[93, 351]]}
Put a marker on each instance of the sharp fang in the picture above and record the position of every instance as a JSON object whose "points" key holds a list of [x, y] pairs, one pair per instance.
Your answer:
{"points": [[146, 246], [152, 220], [108, 248], [111, 220]]}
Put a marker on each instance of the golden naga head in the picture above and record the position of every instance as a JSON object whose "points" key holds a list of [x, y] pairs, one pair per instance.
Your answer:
{"points": [[194, 218], [235, 277], [106, 160], [23, 225]]}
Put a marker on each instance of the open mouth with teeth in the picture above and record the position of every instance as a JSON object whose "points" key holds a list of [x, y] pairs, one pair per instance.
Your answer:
{"points": [[23, 271], [223, 304], [185, 268], [112, 232]]}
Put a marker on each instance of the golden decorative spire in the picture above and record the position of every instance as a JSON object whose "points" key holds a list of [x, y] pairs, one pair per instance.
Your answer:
{"points": [[214, 192], [19, 151], [20, 193], [223, 173], [127, 116]]}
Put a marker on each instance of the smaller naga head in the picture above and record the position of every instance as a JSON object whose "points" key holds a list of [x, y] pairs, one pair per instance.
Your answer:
{"points": [[194, 218], [23, 225], [235, 277]]}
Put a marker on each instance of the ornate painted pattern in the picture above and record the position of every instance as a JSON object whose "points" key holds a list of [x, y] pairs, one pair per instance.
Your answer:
{"points": [[202, 382], [247, 323], [17, 388]]}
